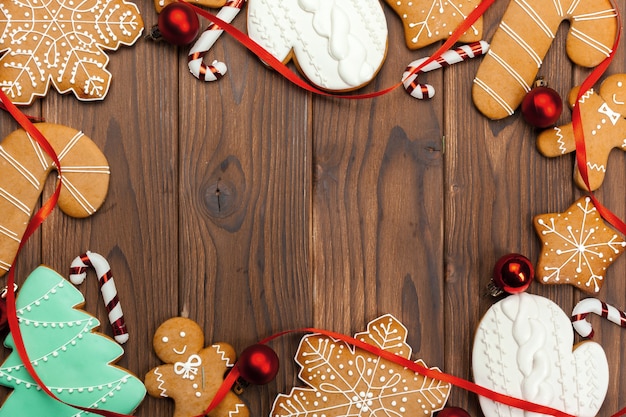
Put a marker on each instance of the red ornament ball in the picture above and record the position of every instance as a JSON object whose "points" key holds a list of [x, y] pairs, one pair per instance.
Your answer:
{"points": [[542, 107], [178, 24], [258, 364], [453, 412], [513, 273]]}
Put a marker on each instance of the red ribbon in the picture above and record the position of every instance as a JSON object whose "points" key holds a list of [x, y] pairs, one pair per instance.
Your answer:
{"points": [[281, 68]]}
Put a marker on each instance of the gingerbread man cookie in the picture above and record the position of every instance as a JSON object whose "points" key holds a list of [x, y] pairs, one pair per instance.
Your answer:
{"points": [[604, 127], [25, 166], [192, 374], [523, 348], [337, 45], [521, 42], [428, 21]]}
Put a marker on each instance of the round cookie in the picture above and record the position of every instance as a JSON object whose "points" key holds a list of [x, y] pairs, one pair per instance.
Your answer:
{"points": [[25, 167], [522, 40], [62, 43], [523, 348], [602, 115], [427, 21], [191, 375], [337, 45]]}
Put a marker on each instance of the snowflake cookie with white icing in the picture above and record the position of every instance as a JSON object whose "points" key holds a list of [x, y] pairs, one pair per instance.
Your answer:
{"points": [[337, 45], [347, 381], [428, 21], [192, 374], [604, 127], [62, 42], [577, 247], [523, 348]]}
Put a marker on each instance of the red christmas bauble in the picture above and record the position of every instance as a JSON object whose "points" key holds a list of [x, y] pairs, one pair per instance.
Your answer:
{"points": [[453, 412], [542, 107], [258, 364], [178, 24], [513, 273]]}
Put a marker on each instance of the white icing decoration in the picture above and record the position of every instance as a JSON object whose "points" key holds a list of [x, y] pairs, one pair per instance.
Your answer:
{"points": [[523, 348], [339, 45]]}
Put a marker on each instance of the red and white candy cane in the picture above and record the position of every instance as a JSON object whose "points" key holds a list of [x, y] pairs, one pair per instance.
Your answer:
{"points": [[593, 305], [460, 54], [205, 42], [78, 272]]}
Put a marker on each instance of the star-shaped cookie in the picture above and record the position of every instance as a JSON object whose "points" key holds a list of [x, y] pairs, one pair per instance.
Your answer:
{"points": [[578, 247]]}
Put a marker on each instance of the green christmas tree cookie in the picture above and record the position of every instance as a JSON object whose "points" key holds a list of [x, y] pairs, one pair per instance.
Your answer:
{"points": [[72, 360]]}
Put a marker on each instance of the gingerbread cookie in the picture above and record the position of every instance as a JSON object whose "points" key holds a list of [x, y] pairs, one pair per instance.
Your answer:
{"points": [[602, 117], [192, 374], [521, 42], [428, 21], [71, 358], [523, 348], [25, 167], [577, 247], [348, 381], [63, 43], [337, 45]]}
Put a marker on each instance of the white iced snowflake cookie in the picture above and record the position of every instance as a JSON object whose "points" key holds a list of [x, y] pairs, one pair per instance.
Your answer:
{"points": [[523, 348], [337, 45]]}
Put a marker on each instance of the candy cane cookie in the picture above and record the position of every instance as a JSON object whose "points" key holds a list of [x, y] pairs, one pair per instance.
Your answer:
{"points": [[25, 166], [522, 40], [205, 42], [460, 54], [78, 273], [602, 309]]}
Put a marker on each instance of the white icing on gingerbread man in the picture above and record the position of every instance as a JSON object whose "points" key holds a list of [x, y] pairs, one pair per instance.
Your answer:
{"points": [[192, 374], [337, 45], [604, 129]]}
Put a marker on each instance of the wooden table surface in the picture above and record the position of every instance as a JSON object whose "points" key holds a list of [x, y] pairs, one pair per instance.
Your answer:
{"points": [[252, 206]]}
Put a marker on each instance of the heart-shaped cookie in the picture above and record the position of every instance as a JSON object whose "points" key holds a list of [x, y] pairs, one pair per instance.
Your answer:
{"points": [[523, 348]]}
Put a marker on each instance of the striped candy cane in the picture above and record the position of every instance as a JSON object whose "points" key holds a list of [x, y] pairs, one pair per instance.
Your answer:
{"points": [[78, 272], [217, 69], [460, 54], [593, 305]]}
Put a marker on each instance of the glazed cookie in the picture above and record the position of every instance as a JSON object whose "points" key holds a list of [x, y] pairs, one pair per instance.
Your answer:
{"points": [[602, 117], [428, 21], [577, 247], [25, 167], [63, 43], [523, 348], [192, 374], [337, 45], [347, 381], [521, 42], [71, 358]]}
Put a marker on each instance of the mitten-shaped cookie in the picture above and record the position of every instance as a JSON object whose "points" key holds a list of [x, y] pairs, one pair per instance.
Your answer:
{"points": [[192, 374], [337, 45], [604, 127], [523, 348], [521, 42], [25, 166]]}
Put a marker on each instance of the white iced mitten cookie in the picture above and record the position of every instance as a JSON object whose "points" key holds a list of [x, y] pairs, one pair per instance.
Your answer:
{"points": [[337, 45], [523, 348]]}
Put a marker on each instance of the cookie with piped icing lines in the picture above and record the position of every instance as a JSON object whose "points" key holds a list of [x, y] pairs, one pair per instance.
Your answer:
{"points": [[523, 39], [337, 45], [523, 348], [428, 21]]}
